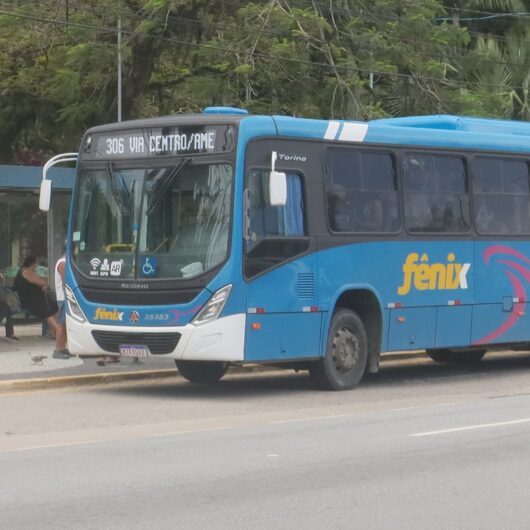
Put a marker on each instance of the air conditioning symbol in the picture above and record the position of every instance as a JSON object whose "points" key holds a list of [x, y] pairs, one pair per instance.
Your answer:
{"points": [[95, 262]]}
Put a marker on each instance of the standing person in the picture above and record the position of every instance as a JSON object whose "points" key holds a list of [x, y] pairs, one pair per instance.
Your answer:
{"points": [[60, 334], [31, 289], [5, 312]]}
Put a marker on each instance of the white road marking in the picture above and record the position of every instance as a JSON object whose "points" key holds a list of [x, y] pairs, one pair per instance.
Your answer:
{"points": [[52, 446], [472, 427]]}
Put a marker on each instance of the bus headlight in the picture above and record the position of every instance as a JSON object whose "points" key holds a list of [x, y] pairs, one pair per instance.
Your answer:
{"points": [[73, 306], [213, 307]]}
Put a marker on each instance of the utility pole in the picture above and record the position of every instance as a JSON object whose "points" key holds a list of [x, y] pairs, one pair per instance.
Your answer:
{"points": [[119, 70]]}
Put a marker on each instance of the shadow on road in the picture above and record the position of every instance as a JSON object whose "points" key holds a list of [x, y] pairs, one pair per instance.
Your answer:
{"points": [[394, 374]]}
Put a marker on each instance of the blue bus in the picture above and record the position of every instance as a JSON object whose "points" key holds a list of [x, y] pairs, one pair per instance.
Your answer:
{"points": [[224, 238]]}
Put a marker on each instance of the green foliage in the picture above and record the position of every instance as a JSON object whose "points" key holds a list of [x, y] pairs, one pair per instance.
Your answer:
{"points": [[354, 59]]}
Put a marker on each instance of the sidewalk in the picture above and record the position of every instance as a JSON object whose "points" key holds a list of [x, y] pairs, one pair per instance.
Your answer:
{"points": [[21, 368], [19, 359]]}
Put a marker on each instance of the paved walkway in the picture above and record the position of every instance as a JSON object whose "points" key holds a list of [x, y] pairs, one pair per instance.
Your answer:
{"points": [[20, 359]]}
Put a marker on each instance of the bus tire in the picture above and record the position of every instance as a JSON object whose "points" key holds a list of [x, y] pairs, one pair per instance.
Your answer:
{"points": [[456, 356], [346, 353], [202, 371]]}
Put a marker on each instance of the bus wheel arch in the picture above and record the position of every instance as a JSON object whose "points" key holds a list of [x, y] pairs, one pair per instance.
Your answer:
{"points": [[366, 305], [345, 359]]}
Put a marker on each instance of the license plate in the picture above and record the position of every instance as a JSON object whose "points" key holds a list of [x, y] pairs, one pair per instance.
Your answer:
{"points": [[134, 350]]}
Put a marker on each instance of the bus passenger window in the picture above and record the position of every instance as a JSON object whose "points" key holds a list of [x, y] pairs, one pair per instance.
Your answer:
{"points": [[501, 190], [340, 210], [435, 194], [361, 191]]}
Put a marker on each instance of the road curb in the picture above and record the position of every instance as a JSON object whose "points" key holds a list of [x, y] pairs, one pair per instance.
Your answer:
{"points": [[87, 379], [64, 381]]}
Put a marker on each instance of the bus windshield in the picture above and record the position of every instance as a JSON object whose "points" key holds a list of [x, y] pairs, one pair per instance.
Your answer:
{"points": [[152, 222]]}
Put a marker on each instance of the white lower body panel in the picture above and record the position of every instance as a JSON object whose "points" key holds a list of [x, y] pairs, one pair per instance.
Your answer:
{"points": [[222, 340]]}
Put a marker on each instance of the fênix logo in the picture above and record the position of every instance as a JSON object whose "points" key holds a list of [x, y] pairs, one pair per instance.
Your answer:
{"points": [[423, 276], [105, 314]]}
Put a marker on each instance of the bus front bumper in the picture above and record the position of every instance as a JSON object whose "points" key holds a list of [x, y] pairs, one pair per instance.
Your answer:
{"points": [[221, 340]]}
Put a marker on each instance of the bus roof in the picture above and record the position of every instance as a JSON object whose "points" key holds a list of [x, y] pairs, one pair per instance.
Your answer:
{"points": [[437, 131], [441, 131]]}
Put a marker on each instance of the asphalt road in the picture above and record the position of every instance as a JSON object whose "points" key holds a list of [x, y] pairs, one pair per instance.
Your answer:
{"points": [[418, 446]]}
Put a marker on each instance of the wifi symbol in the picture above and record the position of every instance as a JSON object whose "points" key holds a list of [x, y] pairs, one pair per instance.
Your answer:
{"points": [[95, 262]]}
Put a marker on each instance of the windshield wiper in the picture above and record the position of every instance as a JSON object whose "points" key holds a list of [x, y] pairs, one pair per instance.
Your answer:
{"points": [[165, 183], [120, 192]]}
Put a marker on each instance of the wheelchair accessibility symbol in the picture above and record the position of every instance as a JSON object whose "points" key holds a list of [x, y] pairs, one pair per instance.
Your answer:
{"points": [[149, 266]]}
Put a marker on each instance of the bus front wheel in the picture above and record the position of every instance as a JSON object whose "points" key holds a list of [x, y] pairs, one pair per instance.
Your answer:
{"points": [[202, 371], [456, 356], [346, 353]]}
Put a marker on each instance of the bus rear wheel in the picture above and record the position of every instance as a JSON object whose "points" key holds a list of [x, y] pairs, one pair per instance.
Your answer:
{"points": [[346, 353], [202, 371], [456, 356]]}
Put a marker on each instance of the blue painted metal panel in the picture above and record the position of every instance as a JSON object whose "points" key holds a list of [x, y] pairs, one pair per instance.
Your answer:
{"points": [[459, 123], [502, 273], [411, 328], [427, 131], [282, 294], [411, 273], [407, 273], [441, 138], [282, 336], [453, 326], [303, 128], [225, 110]]}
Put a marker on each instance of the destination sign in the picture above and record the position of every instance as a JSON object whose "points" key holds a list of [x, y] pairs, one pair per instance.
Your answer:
{"points": [[159, 142]]}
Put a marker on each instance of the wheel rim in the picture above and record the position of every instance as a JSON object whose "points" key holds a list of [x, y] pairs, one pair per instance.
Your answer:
{"points": [[345, 350]]}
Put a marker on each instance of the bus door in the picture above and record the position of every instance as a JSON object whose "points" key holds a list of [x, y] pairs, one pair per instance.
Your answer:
{"points": [[502, 204], [283, 321]]}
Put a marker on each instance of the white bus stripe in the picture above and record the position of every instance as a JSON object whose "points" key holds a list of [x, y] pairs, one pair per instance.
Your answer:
{"points": [[353, 132], [331, 131]]}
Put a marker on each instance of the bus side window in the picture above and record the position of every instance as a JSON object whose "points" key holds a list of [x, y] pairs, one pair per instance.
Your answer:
{"points": [[267, 220], [361, 192], [435, 194], [501, 189], [275, 233]]}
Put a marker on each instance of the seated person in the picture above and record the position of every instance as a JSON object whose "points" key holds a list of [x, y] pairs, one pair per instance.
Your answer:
{"points": [[31, 290], [418, 212], [487, 220], [369, 212], [340, 210]]}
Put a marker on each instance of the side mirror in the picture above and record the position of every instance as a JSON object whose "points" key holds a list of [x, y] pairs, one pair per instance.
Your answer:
{"points": [[46, 184], [277, 184], [45, 195]]}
